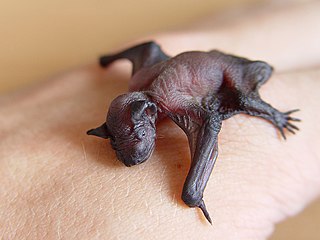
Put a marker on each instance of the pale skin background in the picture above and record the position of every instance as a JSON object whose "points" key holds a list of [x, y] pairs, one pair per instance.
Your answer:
{"points": [[57, 183]]}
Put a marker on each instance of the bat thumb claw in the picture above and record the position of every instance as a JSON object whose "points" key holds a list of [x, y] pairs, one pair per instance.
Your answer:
{"points": [[203, 208]]}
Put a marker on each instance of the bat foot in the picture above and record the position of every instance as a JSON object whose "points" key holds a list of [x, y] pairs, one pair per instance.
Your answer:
{"points": [[284, 121]]}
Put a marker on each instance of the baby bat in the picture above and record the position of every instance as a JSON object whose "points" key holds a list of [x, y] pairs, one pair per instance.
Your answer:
{"points": [[197, 90]]}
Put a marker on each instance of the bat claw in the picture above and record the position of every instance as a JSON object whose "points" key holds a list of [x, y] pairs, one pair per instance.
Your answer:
{"points": [[294, 119], [290, 130], [292, 111], [293, 126], [282, 133], [203, 208]]}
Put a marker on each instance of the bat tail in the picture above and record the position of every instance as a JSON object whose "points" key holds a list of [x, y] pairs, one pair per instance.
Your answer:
{"points": [[203, 208]]}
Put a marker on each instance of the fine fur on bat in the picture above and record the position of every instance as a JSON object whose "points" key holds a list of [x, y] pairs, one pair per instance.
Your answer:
{"points": [[197, 90]]}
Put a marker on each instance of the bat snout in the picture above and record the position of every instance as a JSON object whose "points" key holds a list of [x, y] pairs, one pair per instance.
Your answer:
{"points": [[135, 155]]}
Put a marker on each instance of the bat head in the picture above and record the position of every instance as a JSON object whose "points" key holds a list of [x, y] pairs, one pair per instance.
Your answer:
{"points": [[130, 125]]}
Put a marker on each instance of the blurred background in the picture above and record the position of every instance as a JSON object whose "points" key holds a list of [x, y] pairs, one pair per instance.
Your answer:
{"points": [[41, 38]]}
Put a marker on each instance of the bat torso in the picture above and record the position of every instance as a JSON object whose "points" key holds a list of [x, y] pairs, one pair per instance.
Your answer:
{"points": [[188, 78]]}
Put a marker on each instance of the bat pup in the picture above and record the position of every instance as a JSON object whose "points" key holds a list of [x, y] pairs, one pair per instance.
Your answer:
{"points": [[197, 90]]}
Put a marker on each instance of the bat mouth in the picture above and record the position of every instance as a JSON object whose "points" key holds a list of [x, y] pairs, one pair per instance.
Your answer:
{"points": [[130, 160]]}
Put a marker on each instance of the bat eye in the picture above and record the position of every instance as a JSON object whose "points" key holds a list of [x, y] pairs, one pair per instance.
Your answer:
{"points": [[141, 134]]}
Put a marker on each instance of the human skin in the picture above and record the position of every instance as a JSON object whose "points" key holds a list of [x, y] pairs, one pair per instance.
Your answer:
{"points": [[56, 182]]}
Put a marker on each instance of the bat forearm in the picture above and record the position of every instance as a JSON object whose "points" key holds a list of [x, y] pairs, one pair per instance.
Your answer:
{"points": [[202, 164]]}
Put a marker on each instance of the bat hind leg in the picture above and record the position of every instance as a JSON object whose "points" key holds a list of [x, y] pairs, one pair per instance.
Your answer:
{"points": [[281, 120], [246, 99], [142, 55]]}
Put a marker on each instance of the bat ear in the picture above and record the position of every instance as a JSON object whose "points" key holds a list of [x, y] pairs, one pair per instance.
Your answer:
{"points": [[101, 131], [138, 108]]}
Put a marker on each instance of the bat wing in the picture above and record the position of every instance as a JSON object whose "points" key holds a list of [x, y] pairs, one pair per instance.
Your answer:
{"points": [[202, 132]]}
